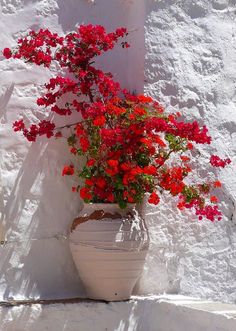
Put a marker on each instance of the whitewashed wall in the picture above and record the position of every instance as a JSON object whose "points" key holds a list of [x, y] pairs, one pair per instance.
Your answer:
{"points": [[189, 65], [37, 206]]}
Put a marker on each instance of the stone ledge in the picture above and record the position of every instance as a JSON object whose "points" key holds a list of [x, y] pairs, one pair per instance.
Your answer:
{"points": [[151, 313]]}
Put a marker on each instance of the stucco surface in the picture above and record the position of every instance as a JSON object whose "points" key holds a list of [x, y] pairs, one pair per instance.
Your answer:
{"points": [[175, 313], [190, 64], [37, 205]]}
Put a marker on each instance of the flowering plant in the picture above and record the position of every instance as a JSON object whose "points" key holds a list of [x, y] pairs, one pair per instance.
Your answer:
{"points": [[128, 141]]}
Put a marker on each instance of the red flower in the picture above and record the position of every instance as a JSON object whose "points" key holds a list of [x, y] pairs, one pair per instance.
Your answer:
{"points": [[214, 199], [160, 161], [190, 146], [126, 166], [150, 170], [144, 99], [217, 183], [159, 141], [79, 130], [209, 212], [85, 193], [68, 170], [184, 158], [40, 102], [129, 138], [89, 182], [18, 125], [181, 205], [99, 121], [110, 197], [176, 188], [7, 53], [100, 182], [73, 150], [216, 161], [154, 198], [112, 171], [113, 163], [91, 162], [136, 171], [140, 111], [84, 143]]}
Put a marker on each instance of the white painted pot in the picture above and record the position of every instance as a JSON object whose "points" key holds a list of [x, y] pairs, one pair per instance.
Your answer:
{"points": [[109, 246]]}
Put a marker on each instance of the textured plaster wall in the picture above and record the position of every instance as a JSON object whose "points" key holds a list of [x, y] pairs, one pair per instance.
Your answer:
{"points": [[189, 65], [153, 313], [37, 206]]}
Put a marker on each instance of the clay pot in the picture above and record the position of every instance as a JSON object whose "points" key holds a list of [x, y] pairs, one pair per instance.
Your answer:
{"points": [[109, 246]]}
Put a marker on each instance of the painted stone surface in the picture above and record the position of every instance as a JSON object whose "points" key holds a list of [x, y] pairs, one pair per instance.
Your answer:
{"points": [[189, 65]]}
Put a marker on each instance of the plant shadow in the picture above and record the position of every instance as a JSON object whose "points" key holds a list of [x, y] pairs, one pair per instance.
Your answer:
{"points": [[36, 261]]}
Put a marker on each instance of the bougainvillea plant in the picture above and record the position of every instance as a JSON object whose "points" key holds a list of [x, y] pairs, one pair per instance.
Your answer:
{"points": [[128, 141]]}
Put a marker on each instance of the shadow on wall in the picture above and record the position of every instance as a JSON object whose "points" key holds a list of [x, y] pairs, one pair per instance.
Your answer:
{"points": [[35, 262], [126, 65], [4, 99]]}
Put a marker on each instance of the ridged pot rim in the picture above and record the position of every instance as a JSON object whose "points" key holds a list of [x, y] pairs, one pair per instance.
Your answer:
{"points": [[107, 205], [113, 209]]}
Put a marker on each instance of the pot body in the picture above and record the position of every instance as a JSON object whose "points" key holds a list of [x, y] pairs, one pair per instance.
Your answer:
{"points": [[109, 246]]}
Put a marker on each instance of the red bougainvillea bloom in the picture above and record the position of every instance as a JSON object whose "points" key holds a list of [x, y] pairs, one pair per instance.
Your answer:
{"points": [[91, 162], [154, 198], [68, 170], [100, 182], [7, 53], [217, 183], [84, 143], [89, 182], [73, 150], [110, 197], [99, 121], [85, 193], [185, 158], [112, 171], [113, 163], [190, 146], [216, 161], [150, 170], [213, 199], [129, 144], [210, 212], [18, 125], [144, 99]]}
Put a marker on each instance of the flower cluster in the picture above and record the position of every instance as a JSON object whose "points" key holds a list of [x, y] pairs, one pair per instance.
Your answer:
{"points": [[127, 140], [216, 161]]}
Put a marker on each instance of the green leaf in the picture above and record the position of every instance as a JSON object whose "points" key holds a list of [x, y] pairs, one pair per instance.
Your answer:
{"points": [[143, 159], [71, 140], [175, 143], [119, 184], [122, 204], [86, 172]]}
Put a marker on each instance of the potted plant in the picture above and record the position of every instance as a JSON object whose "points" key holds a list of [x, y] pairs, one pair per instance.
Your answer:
{"points": [[130, 146]]}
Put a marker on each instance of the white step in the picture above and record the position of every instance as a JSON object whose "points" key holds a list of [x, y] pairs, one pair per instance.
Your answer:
{"points": [[152, 313]]}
